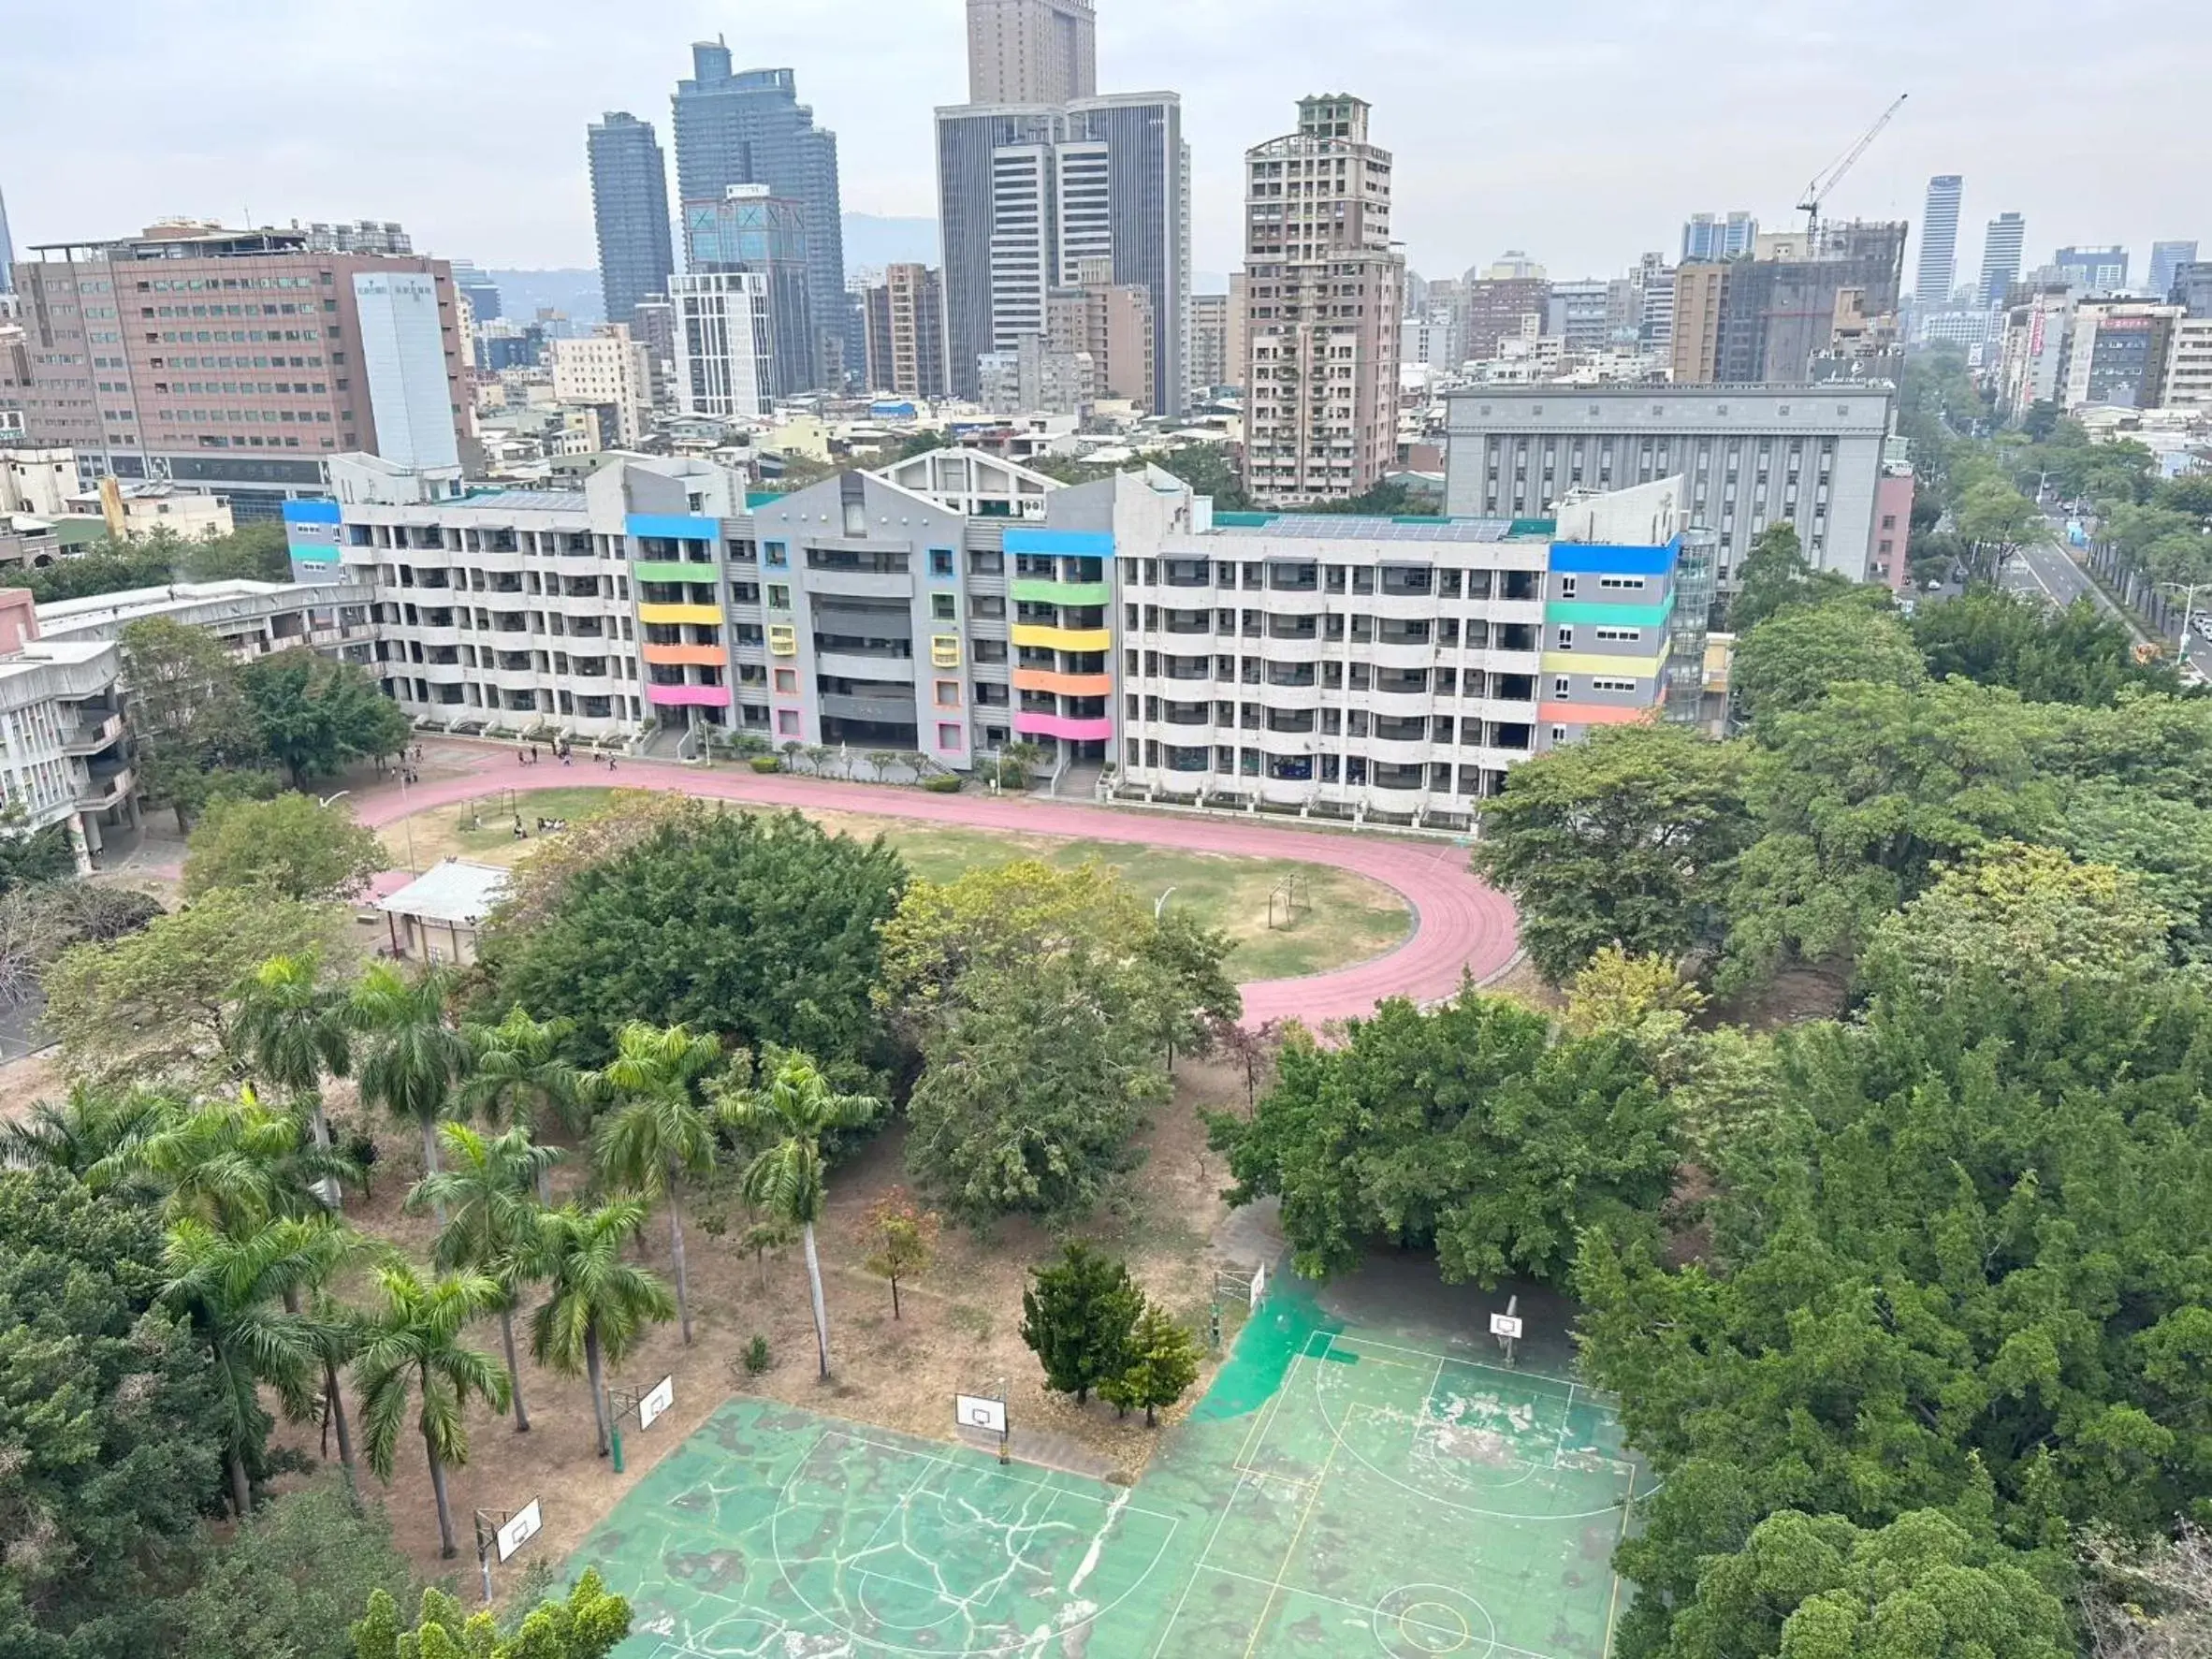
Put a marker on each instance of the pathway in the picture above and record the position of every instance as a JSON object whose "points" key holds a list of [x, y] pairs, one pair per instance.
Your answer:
{"points": [[1460, 926]]}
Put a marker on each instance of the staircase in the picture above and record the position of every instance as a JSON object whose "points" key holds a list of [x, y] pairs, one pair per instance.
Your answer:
{"points": [[1078, 781]]}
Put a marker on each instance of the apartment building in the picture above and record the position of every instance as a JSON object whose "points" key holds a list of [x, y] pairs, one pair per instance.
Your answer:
{"points": [[2119, 353], [251, 618], [64, 752], [237, 361], [1749, 457], [903, 323], [1324, 288], [1393, 668], [1031, 52], [2189, 370], [608, 370]]}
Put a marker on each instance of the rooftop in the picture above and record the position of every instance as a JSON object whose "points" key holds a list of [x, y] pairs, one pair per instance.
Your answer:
{"points": [[149, 602], [457, 890], [1340, 527]]}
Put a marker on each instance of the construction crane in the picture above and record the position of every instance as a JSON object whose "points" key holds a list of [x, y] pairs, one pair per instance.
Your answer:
{"points": [[1817, 192]]}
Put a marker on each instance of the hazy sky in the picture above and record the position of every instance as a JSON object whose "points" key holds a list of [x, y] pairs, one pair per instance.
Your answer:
{"points": [[1581, 130]]}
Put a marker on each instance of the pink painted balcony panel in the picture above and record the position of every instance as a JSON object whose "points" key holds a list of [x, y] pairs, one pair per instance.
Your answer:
{"points": [[1100, 727], [678, 696]]}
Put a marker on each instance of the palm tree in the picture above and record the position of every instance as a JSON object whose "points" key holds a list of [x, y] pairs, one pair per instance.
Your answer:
{"points": [[230, 1290], [490, 1220], [411, 1346], [233, 1165], [293, 1031], [87, 1130], [599, 1303], [795, 1111], [520, 1077], [415, 1058], [658, 1132]]}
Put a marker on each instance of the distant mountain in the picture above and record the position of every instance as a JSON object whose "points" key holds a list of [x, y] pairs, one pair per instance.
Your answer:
{"points": [[572, 293], [872, 242]]}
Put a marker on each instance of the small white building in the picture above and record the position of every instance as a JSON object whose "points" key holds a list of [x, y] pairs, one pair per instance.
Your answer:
{"points": [[434, 917]]}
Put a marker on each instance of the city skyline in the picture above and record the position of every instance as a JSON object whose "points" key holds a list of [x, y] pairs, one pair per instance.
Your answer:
{"points": [[1585, 197]]}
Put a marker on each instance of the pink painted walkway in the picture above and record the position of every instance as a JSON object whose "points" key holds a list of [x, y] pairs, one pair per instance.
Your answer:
{"points": [[1460, 926]]}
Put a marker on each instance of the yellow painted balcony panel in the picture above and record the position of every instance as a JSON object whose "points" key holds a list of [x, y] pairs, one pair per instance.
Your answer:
{"points": [[710, 614], [1063, 639]]}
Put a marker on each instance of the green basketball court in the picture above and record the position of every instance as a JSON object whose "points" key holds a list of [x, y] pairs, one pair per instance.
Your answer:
{"points": [[1340, 1490]]}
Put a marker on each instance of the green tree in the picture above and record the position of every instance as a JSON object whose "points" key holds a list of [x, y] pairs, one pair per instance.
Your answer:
{"points": [[1163, 1362], [189, 712], [590, 1622], [1206, 468], [252, 552], [317, 716], [159, 1003], [1811, 1587], [89, 1129], [2078, 655], [113, 1432], [788, 1177], [289, 847], [1996, 521], [1793, 659], [292, 1031], [1627, 838], [658, 1130], [757, 928], [293, 1579], [901, 1237], [106, 567], [1466, 1130], [597, 1305], [1030, 1094], [31, 858], [1775, 573], [516, 1075], [411, 1349], [491, 1219], [231, 1164], [229, 1292], [416, 1058], [1079, 1317]]}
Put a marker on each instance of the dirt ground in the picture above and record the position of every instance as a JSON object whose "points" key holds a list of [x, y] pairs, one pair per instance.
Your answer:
{"points": [[960, 1330]]}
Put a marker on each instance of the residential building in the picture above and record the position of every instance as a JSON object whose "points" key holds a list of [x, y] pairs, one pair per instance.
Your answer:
{"points": [[1031, 52], [2192, 287], [2038, 329], [15, 381], [750, 128], [1237, 350], [1654, 280], [477, 289], [1025, 193], [236, 362], [1432, 341], [1890, 565], [2003, 241], [1938, 269], [2166, 260], [2188, 365], [1387, 669], [135, 509], [1711, 237], [1498, 304], [1749, 457], [629, 213], [2096, 271], [1323, 280], [608, 368], [725, 339], [1036, 378], [1112, 322], [65, 756], [1579, 314], [249, 618], [747, 229], [1764, 320], [1694, 334], [1209, 345], [904, 317], [2119, 353]]}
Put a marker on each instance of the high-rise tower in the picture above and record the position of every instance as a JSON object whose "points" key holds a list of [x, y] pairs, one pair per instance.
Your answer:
{"points": [[630, 211], [2001, 244], [1939, 244], [1031, 52]]}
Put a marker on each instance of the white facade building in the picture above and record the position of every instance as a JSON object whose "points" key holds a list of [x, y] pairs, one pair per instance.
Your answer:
{"points": [[724, 343], [608, 367], [403, 360]]}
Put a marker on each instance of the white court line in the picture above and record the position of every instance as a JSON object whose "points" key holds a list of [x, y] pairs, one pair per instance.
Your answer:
{"points": [[1497, 1644], [995, 1474], [1359, 1345]]}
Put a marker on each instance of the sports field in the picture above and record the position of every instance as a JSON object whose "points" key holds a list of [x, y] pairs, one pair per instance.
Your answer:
{"points": [[1339, 1491]]}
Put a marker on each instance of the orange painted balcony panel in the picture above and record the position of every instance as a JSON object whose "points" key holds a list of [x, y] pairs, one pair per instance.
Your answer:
{"points": [[705, 655], [1065, 685]]}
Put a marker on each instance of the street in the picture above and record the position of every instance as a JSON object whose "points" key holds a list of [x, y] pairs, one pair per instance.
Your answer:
{"points": [[2047, 568]]}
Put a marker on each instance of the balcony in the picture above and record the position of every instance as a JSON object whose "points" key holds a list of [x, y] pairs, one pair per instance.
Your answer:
{"points": [[1063, 639], [94, 736], [710, 615], [689, 697], [1076, 728], [675, 570], [103, 789], [712, 656], [1062, 685], [1039, 591]]}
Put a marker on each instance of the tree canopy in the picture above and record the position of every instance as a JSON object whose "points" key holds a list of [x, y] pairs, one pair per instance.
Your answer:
{"points": [[317, 716], [288, 846]]}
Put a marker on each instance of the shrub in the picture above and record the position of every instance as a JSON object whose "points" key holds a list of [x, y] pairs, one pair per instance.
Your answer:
{"points": [[944, 783], [757, 1359], [765, 763]]}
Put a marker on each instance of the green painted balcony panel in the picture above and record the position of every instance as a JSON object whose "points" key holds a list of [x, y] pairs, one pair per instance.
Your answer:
{"points": [[1032, 591], [675, 570]]}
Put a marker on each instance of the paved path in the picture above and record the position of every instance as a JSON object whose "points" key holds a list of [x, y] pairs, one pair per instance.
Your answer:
{"points": [[1460, 926]]}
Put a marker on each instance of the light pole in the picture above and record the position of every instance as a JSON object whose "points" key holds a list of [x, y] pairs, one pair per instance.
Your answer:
{"points": [[2189, 604], [325, 801], [1159, 905]]}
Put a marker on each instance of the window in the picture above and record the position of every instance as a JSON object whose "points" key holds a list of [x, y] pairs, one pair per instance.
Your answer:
{"points": [[1629, 634], [1561, 687], [1567, 587], [1598, 684], [1566, 639], [943, 607], [941, 561], [787, 723], [1633, 583], [776, 553], [948, 694], [784, 639], [1558, 733], [779, 596], [944, 650], [787, 681], [948, 735]]}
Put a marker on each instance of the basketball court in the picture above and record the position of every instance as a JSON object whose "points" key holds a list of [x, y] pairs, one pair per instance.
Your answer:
{"points": [[1340, 1490]]}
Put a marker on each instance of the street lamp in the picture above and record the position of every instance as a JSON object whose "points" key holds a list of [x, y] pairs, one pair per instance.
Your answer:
{"points": [[1160, 904], [2189, 604], [327, 799]]}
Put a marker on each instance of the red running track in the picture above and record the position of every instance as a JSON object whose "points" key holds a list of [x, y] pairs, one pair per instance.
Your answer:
{"points": [[1460, 926]]}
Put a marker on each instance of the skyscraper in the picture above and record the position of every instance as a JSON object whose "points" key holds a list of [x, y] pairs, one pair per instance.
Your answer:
{"points": [[1938, 269], [750, 128], [2096, 271], [1322, 418], [2165, 260], [745, 228], [904, 317], [7, 251], [1025, 193], [630, 211], [1708, 237], [2002, 242], [1031, 52]]}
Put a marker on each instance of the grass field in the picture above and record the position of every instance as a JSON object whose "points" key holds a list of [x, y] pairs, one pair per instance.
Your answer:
{"points": [[1340, 1490], [1344, 918]]}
